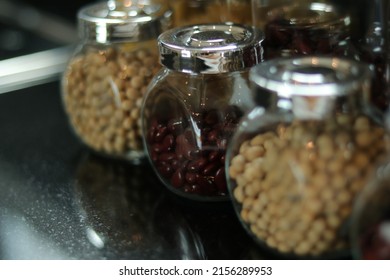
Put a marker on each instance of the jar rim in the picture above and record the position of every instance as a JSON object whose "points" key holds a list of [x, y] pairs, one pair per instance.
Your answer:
{"points": [[114, 20], [311, 76]]}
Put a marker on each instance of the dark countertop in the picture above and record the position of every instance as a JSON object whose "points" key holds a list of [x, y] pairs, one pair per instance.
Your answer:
{"points": [[60, 201]]}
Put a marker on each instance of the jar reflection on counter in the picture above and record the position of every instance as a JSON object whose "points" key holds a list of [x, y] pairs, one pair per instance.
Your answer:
{"points": [[296, 168], [106, 78], [188, 12], [195, 102], [126, 215]]}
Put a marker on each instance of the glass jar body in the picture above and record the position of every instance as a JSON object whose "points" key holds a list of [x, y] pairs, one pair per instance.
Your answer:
{"points": [[293, 176], [187, 12], [188, 120], [102, 89]]}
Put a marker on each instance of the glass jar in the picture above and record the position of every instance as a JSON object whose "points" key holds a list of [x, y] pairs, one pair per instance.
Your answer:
{"points": [[299, 158], [370, 223], [373, 47], [106, 78], [194, 103], [296, 28], [187, 12]]}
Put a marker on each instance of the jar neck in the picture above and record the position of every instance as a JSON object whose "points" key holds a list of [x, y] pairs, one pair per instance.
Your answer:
{"points": [[312, 106]]}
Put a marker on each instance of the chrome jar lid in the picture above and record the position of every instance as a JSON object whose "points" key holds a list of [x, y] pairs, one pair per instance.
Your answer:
{"points": [[211, 48], [311, 76], [125, 20]]}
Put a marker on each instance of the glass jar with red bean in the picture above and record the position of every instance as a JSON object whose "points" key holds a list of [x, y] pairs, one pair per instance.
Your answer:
{"points": [[299, 159], [107, 75], [298, 28], [370, 223], [195, 102]]}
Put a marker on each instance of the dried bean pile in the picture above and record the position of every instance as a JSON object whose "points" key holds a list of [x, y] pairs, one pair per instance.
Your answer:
{"points": [[103, 91], [190, 155], [295, 184], [282, 38]]}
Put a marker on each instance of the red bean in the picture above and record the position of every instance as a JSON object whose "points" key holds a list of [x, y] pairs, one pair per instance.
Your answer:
{"points": [[165, 170], [220, 180], [168, 142], [176, 164], [206, 184], [212, 136], [157, 148], [154, 156], [191, 178], [160, 134], [210, 168], [222, 159], [197, 165], [167, 157], [177, 179], [213, 156], [152, 131], [302, 45]]}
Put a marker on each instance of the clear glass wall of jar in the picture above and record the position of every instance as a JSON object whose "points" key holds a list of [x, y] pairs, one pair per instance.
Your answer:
{"points": [[299, 159], [370, 222], [188, 12], [106, 78], [193, 105]]}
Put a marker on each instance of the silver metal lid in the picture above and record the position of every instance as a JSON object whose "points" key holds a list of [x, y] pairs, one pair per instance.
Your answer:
{"points": [[211, 48], [310, 76], [127, 20]]}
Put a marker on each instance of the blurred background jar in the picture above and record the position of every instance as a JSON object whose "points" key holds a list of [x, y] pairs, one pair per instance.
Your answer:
{"points": [[296, 28], [194, 104], [299, 159], [187, 12], [106, 78], [370, 223], [373, 47], [353, 29]]}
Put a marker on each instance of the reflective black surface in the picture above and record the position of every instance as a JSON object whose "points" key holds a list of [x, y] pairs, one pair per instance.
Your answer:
{"points": [[60, 201]]}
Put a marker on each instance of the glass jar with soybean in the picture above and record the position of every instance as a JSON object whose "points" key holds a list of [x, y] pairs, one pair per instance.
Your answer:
{"points": [[298, 28], [107, 76], [188, 12], [194, 103], [300, 158]]}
